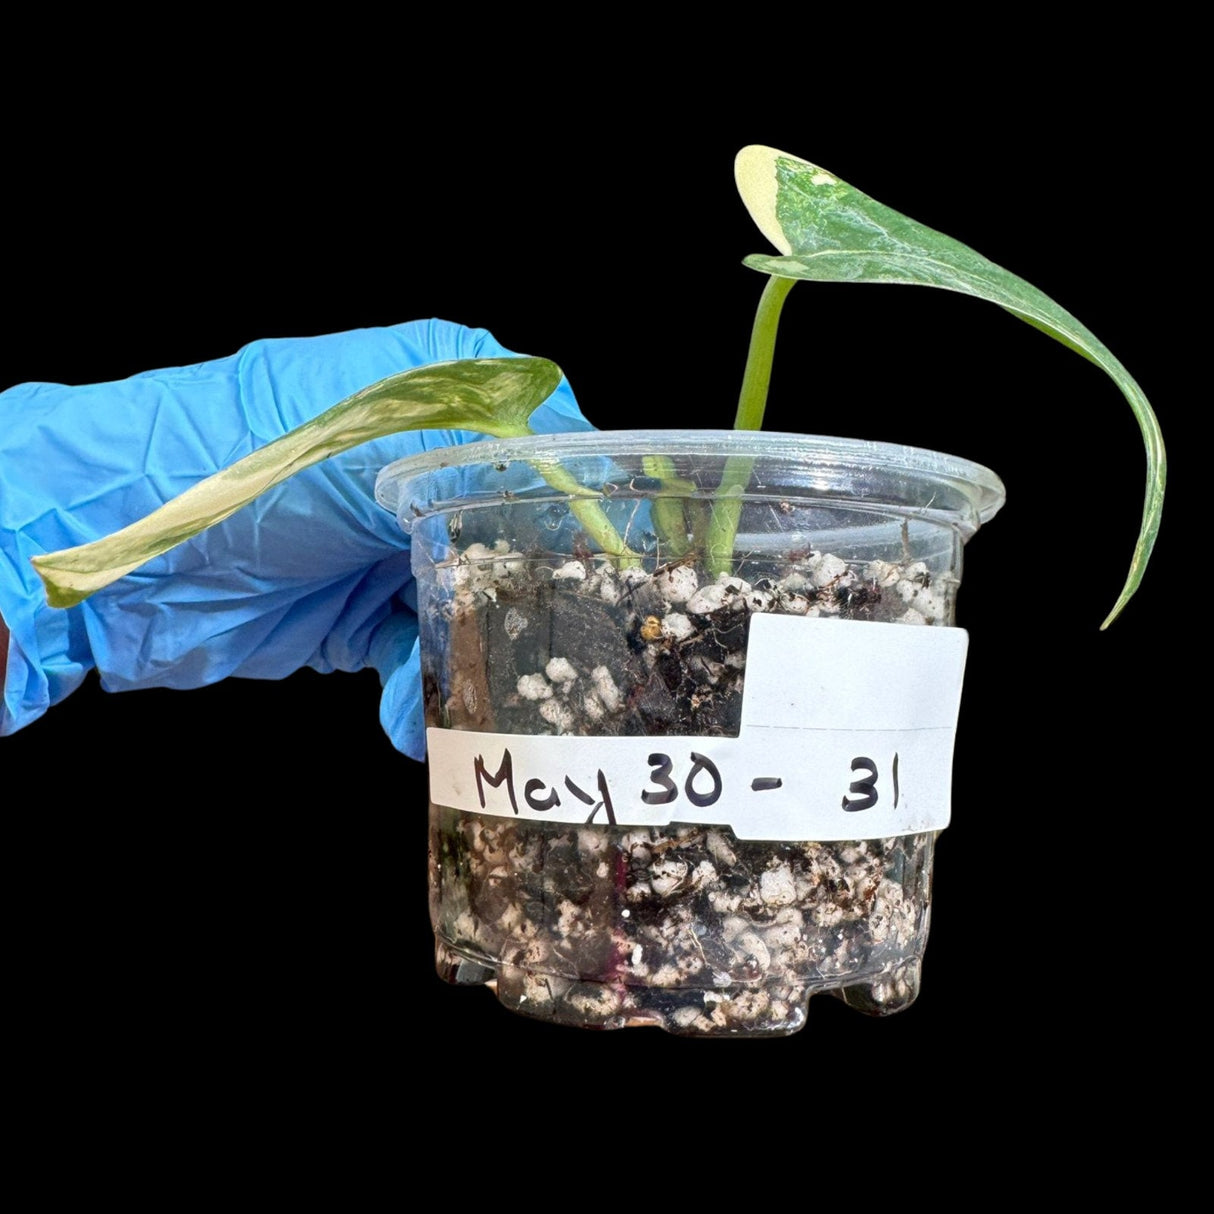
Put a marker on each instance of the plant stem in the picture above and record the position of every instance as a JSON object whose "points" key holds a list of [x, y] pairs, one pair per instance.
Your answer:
{"points": [[752, 403], [588, 512], [669, 517], [756, 379]]}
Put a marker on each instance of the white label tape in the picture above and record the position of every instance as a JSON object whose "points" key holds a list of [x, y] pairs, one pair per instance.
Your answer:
{"points": [[847, 733]]}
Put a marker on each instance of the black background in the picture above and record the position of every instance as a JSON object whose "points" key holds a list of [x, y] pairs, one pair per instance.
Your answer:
{"points": [[225, 889]]}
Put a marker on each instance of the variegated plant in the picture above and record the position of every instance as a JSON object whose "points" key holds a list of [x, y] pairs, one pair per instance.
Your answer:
{"points": [[824, 230], [828, 231]]}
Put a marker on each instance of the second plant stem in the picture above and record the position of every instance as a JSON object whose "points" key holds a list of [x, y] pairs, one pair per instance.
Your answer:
{"points": [[752, 402]]}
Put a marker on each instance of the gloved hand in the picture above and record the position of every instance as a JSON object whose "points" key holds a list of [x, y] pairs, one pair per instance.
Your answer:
{"points": [[314, 573]]}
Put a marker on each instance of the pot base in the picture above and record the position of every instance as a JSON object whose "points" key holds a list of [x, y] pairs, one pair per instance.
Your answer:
{"points": [[686, 927], [747, 1010]]}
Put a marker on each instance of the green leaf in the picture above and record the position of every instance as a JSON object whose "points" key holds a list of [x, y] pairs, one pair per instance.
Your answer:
{"points": [[494, 396], [828, 231]]}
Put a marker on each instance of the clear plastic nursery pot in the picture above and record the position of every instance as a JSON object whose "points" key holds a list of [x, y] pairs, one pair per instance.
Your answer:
{"points": [[690, 717]]}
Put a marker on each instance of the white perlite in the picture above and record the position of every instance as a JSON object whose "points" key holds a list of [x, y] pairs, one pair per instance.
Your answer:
{"points": [[776, 886], [561, 670], [678, 584], [534, 687], [604, 686], [677, 627]]}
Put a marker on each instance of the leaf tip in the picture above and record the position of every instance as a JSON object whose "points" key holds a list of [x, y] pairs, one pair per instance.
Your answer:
{"points": [[59, 593], [1138, 566], [754, 171], [1119, 606]]}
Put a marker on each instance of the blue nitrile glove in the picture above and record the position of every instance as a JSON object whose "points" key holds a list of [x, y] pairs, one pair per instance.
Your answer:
{"points": [[313, 573]]}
